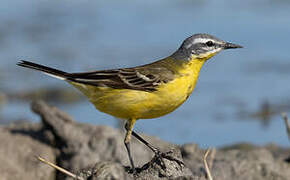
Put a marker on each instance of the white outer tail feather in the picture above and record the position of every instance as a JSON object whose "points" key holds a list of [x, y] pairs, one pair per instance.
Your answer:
{"points": [[55, 76]]}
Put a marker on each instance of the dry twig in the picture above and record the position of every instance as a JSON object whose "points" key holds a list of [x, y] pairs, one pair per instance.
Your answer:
{"points": [[208, 173], [211, 156], [285, 117], [59, 168]]}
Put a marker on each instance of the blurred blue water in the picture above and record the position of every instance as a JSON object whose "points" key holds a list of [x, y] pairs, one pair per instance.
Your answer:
{"points": [[89, 35]]}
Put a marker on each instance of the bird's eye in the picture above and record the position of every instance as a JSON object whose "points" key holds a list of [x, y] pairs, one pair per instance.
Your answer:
{"points": [[209, 43]]}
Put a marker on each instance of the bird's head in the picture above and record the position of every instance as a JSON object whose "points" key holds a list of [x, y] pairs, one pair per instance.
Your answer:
{"points": [[202, 46]]}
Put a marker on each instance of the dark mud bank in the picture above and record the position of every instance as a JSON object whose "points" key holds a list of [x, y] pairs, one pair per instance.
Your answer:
{"points": [[98, 152]]}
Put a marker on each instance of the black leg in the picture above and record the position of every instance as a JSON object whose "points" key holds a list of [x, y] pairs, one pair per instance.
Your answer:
{"points": [[158, 154], [129, 127], [127, 144], [154, 149]]}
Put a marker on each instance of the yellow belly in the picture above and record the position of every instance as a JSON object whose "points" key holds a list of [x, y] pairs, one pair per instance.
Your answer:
{"points": [[127, 104], [135, 104]]}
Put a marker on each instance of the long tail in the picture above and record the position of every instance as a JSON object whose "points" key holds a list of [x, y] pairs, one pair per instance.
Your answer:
{"points": [[47, 70]]}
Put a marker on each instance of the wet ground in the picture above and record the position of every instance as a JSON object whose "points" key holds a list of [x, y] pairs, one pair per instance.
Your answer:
{"points": [[238, 98]]}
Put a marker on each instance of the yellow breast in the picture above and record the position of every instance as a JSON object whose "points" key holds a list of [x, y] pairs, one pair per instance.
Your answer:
{"points": [[135, 104]]}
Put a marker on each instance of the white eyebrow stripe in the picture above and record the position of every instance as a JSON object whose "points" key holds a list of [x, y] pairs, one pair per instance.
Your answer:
{"points": [[198, 40], [201, 40]]}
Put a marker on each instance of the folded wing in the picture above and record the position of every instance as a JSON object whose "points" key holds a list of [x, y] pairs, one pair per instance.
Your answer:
{"points": [[144, 78], [127, 78]]}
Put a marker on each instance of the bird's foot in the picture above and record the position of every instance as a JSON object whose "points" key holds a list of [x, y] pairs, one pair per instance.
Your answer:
{"points": [[130, 170], [160, 156]]}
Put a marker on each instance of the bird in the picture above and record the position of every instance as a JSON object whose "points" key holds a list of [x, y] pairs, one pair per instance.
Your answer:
{"points": [[147, 91]]}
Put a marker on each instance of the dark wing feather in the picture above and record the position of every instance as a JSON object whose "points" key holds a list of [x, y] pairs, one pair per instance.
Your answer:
{"points": [[144, 78]]}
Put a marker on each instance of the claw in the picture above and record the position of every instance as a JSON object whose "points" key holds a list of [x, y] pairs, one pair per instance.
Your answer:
{"points": [[170, 158], [132, 171], [160, 156]]}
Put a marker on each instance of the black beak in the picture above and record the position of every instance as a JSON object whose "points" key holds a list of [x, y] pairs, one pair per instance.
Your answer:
{"points": [[231, 46]]}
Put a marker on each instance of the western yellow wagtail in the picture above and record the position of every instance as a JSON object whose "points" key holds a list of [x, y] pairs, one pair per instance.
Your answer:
{"points": [[147, 91]]}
